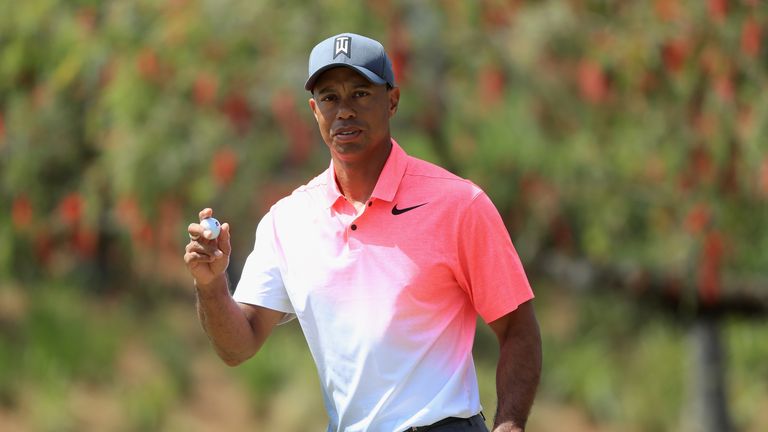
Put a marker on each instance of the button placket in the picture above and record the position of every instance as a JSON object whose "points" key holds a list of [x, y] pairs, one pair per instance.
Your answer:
{"points": [[354, 225]]}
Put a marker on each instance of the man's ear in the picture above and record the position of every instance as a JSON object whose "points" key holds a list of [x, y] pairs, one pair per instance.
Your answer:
{"points": [[394, 100], [313, 106]]}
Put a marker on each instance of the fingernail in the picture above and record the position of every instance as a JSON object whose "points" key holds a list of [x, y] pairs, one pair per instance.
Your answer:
{"points": [[218, 253], [207, 234]]}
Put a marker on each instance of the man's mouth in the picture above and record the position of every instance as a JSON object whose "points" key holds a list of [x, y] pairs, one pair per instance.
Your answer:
{"points": [[346, 133]]}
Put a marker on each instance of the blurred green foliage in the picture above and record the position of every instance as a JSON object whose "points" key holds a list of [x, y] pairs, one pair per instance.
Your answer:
{"points": [[586, 121], [622, 365], [58, 339]]}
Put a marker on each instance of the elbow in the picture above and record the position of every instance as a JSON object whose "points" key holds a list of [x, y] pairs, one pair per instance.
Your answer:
{"points": [[233, 359]]}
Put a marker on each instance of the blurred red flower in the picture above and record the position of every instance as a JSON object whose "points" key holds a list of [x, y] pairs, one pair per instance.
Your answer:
{"points": [[71, 209], [127, 211], [224, 166], [148, 64], [107, 73], [718, 9], [21, 212], [705, 124], [745, 119], [492, 82], [711, 60], [399, 51], [724, 88], [593, 83], [498, 14], [702, 163], [697, 218], [143, 235], [710, 265], [674, 53], [43, 246], [762, 179], [167, 224], [85, 242], [400, 65], [129, 215], [86, 18], [751, 37], [205, 88], [667, 10], [238, 111], [292, 125]]}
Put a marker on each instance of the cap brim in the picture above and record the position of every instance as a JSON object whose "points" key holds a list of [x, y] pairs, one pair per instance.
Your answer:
{"points": [[370, 76]]}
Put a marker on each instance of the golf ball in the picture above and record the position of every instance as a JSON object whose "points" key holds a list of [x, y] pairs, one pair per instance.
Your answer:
{"points": [[212, 225]]}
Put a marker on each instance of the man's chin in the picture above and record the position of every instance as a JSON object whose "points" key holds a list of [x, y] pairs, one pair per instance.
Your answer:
{"points": [[351, 149]]}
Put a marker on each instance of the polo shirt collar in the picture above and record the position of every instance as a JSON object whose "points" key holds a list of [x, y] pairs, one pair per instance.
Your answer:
{"points": [[386, 185], [391, 174]]}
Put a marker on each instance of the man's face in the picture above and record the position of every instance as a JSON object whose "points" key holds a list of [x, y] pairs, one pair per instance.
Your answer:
{"points": [[353, 113]]}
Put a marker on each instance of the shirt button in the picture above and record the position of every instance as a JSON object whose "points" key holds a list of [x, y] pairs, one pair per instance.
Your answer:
{"points": [[354, 227]]}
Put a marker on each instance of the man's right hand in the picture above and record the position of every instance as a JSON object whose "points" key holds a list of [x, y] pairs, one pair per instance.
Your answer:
{"points": [[207, 259]]}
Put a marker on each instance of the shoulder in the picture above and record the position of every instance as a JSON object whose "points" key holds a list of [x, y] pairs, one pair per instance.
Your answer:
{"points": [[438, 180], [308, 194], [318, 184]]}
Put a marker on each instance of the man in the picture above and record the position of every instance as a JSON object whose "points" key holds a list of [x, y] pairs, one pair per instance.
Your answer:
{"points": [[386, 261]]}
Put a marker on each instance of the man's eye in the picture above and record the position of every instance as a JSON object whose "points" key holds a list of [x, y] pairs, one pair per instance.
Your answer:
{"points": [[328, 98], [361, 93]]}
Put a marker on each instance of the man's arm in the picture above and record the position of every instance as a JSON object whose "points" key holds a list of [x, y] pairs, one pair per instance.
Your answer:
{"points": [[519, 368], [236, 330]]}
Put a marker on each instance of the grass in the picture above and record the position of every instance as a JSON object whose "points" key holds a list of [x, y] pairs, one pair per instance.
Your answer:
{"points": [[618, 365], [66, 338]]}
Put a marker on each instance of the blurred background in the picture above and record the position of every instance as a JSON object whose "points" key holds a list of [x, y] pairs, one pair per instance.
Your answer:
{"points": [[623, 142]]}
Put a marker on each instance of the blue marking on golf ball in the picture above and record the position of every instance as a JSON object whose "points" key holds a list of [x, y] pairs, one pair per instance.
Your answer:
{"points": [[212, 225]]}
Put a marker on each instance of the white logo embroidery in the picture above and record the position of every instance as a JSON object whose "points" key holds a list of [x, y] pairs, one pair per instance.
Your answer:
{"points": [[343, 45]]}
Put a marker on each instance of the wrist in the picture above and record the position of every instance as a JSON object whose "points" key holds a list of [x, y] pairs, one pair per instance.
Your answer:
{"points": [[508, 427], [215, 287]]}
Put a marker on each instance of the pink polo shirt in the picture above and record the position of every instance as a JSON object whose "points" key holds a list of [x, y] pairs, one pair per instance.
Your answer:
{"points": [[388, 299]]}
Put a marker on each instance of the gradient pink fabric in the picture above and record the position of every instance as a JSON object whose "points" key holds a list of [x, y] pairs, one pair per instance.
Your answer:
{"points": [[388, 299]]}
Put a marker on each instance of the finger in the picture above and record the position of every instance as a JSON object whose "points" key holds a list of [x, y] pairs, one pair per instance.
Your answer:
{"points": [[224, 239], [205, 213], [204, 248], [194, 257], [195, 231], [200, 248]]}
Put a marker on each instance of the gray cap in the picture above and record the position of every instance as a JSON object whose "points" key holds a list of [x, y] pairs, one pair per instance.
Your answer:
{"points": [[360, 53]]}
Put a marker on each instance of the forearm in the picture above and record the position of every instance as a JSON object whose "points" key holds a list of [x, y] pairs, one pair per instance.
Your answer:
{"points": [[517, 378], [224, 322]]}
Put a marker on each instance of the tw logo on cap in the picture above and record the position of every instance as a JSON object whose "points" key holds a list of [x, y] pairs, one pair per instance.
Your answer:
{"points": [[342, 45]]}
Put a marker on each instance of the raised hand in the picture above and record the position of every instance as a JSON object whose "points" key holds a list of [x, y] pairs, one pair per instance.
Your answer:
{"points": [[206, 258]]}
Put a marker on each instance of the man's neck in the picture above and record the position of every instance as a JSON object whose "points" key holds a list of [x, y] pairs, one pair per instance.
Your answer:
{"points": [[356, 181]]}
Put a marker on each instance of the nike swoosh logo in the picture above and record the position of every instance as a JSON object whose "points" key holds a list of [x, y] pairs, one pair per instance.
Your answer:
{"points": [[396, 211]]}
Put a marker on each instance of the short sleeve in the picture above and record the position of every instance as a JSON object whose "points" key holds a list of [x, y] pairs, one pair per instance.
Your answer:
{"points": [[261, 282], [490, 269]]}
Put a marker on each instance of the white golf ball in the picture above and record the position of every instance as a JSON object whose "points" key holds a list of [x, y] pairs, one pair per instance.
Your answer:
{"points": [[212, 225]]}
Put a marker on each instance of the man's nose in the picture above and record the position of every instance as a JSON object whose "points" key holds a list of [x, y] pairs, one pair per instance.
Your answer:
{"points": [[345, 110]]}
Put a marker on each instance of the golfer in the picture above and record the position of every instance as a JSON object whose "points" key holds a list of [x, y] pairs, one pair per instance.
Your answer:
{"points": [[386, 261]]}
